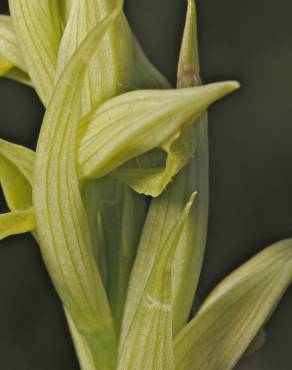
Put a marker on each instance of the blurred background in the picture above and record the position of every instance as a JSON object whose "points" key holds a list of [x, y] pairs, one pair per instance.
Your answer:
{"points": [[250, 169]]}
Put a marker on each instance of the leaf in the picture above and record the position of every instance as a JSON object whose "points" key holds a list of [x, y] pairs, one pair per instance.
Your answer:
{"points": [[5, 65], [19, 76], [188, 72], [117, 215], [90, 198], [145, 120], [16, 222], [8, 43], [11, 63], [60, 216], [114, 58], [16, 164], [181, 147], [187, 267], [65, 7], [146, 341], [111, 241], [234, 312], [188, 262], [164, 213], [38, 32], [22, 157], [83, 353]]}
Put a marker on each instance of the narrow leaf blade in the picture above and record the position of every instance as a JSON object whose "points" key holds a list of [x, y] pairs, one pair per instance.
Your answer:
{"points": [[16, 222], [146, 119], [18, 75], [37, 27], [109, 72], [60, 216], [148, 342], [5, 66], [164, 213], [235, 311], [8, 43], [116, 216], [16, 164], [192, 141]]}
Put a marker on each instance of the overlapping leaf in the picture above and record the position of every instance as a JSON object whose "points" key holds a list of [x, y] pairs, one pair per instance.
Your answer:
{"points": [[65, 7], [5, 65], [61, 219], [146, 340], [108, 74], [181, 147], [38, 32], [143, 138], [83, 352], [16, 222], [187, 266], [117, 215], [109, 71], [8, 43], [11, 63], [235, 311], [19, 76], [16, 164], [135, 122]]}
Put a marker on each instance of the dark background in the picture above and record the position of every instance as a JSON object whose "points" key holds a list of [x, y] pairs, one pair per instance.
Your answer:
{"points": [[250, 154]]}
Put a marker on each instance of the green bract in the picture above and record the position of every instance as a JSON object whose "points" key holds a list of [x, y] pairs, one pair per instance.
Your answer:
{"points": [[126, 266], [134, 123]]}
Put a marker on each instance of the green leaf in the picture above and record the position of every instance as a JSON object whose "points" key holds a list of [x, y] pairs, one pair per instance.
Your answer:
{"points": [[5, 66], [16, 222], [90, 197], [188, 72], [179, 148], [164, 213], [38, 32], [145, 120], [112, 241], [65, 7], [83, 352], [16, 164], [11, 63], [146, 341], [117, 216], [8, 43], [19, 76], [60, 216], [235, 311], [22, 157], [188, 262], [114, 58], [187, 267]]}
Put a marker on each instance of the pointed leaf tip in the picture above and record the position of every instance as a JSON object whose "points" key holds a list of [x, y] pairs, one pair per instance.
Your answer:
{"points": [[235, 311], [147, 119], [190, 203]]}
